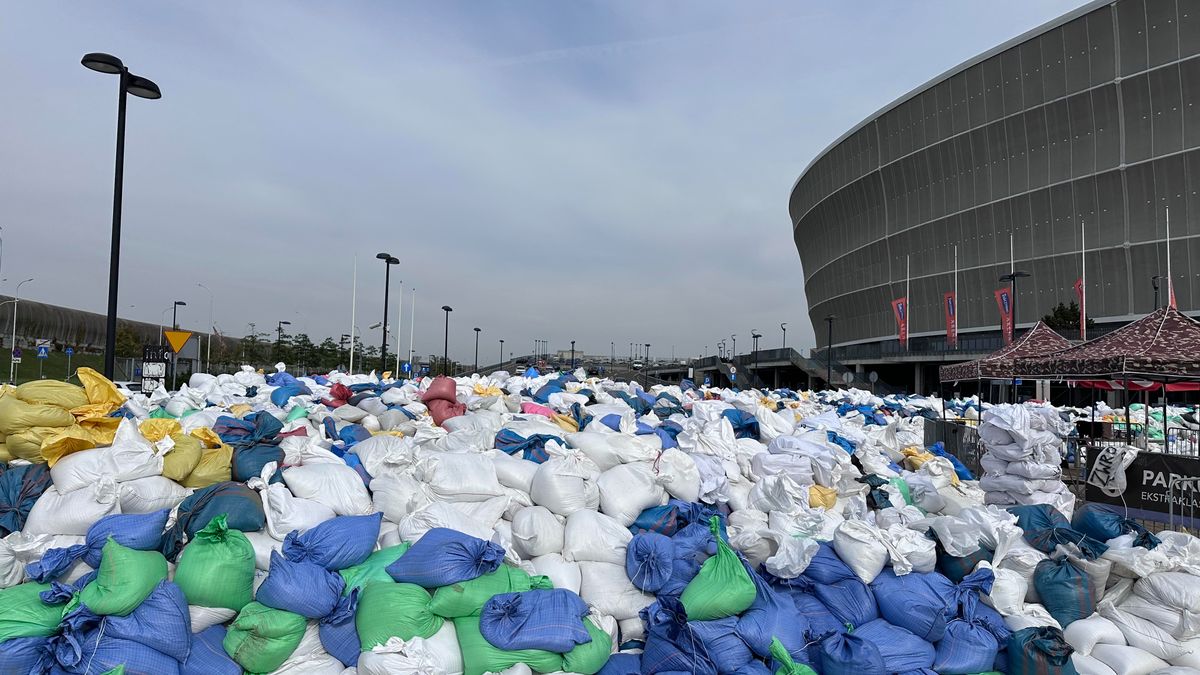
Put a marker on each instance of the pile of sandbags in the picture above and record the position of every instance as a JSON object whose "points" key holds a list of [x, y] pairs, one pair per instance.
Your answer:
{"points": [[1023, 456]]}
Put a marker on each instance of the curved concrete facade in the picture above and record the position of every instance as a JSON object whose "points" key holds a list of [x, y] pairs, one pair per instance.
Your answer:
{"points": [[1090, 122]]}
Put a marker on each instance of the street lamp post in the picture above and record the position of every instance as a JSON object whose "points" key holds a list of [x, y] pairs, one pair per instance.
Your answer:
{"points": [[12, 363], [734, 339], [175, 326], [829, 351], [211, 302], [388, 260], [502, 351], [783, 327], [279, 336], [446, 341], [477, 329], [755, 335], [572, 355], [143, 88]]}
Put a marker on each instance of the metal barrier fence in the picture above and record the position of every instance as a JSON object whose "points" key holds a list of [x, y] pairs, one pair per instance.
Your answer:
{"points": [[958, 439]]}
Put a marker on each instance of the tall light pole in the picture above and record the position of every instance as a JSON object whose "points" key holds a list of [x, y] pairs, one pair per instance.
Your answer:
{"points": [[211, 302], [388, 260], [175, 326], [446, 341], [279, 335], [734, 339], [477, 329], [501, 351], [754, 335], [12, 363], [829, 351], [783, 327], [143, 88], [572, 355]]}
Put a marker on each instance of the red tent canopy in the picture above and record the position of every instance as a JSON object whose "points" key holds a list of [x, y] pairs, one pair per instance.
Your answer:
{"points": [[1039, 341]]}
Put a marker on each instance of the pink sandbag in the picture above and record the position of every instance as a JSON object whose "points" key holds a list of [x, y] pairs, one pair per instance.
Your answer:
{"points": [[442, 410], [441, 389], [535, 409]]}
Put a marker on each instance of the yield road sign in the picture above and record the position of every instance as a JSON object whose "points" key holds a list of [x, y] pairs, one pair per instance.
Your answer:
{"points": [[177, 338]]}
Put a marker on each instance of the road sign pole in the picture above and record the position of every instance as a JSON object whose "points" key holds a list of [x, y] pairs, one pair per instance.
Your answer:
{"points": [[41, 365]]}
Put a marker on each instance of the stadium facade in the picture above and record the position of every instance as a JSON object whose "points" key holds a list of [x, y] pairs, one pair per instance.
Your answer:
{"points": [[1072, 141]]}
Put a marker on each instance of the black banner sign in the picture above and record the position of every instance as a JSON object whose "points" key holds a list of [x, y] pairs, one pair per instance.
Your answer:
{"points": [[1148, 486]]}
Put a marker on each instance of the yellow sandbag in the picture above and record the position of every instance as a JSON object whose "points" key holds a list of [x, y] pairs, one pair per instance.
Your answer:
{"points": [[67, 440], [567, 422], [91, 410], [388, 432], [819, 495], [482, 389], [181, 461], [52, 392], [914, 458], [154, 430], [214, 460], [100, 390], [102, 429], [5, 455], [240, 410], [27, 444], [7, 389], [17, 416]]}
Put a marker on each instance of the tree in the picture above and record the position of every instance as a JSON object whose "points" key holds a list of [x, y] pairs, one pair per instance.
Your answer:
{"points": [[1065, 317], [327, 354], [128, 345]]}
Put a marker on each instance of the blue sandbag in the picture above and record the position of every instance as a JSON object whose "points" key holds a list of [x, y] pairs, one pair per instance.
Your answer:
{"points": [[727, 650], [280, 395], [142, 532], [208, 655], [532, 448], [20, 487], [1065, 590], [85, 648], [549, 619], [304, 588], [335, 544], [826, 567], [25, 655], [960, 469], [649, 558], [443, 557], [241, 505], [917, 602], [673, 516], [967, 647], [693, 545], [849, 600], [622, 664], [900, 649], [161, 622], [1037, 517], [818, 617], [248, 462], [848, 654], [339, 636], [671, 642], [753, 668], [1039, 650], [772, 615], [1103, 525], [1048, 539]]}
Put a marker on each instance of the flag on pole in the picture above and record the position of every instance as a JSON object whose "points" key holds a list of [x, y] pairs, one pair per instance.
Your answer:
{"points": [[950, 303], [1004, 303], [1082, 310], [1171, 294], [900, 309]]}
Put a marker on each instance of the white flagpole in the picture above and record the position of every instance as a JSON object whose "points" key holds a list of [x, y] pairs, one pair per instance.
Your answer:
{"points": [[1170, 281], [399, 325], [907, 299], [412, 322], [1012, 258], [1082, 281], [957, 307], [353, 307]]}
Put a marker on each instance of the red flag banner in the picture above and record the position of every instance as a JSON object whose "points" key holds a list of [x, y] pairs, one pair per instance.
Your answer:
{"points": [[1082, 308], [1004, 303], [900, 309], [1171, 294], [950, 303]]}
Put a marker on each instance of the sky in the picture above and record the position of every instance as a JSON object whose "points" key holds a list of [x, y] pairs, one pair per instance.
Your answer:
{"points": [[605, 172]]}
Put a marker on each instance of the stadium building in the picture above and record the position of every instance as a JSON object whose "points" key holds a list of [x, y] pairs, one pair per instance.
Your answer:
{"points": [[1073, 142]]}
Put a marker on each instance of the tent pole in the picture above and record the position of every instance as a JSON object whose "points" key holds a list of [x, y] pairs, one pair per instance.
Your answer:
{"points": [[1166, 429], [1128, 428]]}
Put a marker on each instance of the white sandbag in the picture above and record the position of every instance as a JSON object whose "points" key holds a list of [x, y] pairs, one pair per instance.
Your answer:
{"points": [[595, 537], [459, 477], [338, 487], [385, 455], [563, 573], [1008, 591], [19, 549], [74, 512], [1191, 656], [1178, 590], [150, 494], [536, 532], [1083, 635], [566, 483], [1089, 665], [678, 474], [631, 629], [207, 617], [860, 546], [284, 511], [606, 587], [1140, 633], [130, 456], [440, 514], [904, 516], [437, 655], [909, 551], [348, 413], [310, 657], [263, 543], [778, 493], [924, 495], [1032, 616], [779, 553], [513, 472], [627, 490], [1181, 624], [396, 496], [1127, 660], [607, 450], [958, 497], [798, 467], [487, 513], [958, 537]]}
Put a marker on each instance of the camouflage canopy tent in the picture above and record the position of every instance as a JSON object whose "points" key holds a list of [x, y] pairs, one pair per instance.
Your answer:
{"points": [[1039, 341]]}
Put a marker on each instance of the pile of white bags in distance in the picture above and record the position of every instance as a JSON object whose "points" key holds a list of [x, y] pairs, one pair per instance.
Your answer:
{"points": [[864, 550], [1023, 456]]}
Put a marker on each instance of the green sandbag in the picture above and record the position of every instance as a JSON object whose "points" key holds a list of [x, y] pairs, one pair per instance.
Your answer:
{"points": [[374, 568], [901, 486], [260, 639], [216, 568], [387, 609], [787, 665], [481, 656], [722, 587], [590, 657], [126, 577], [119, 670], [296, 413], [23, 614], [469, 597]]}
